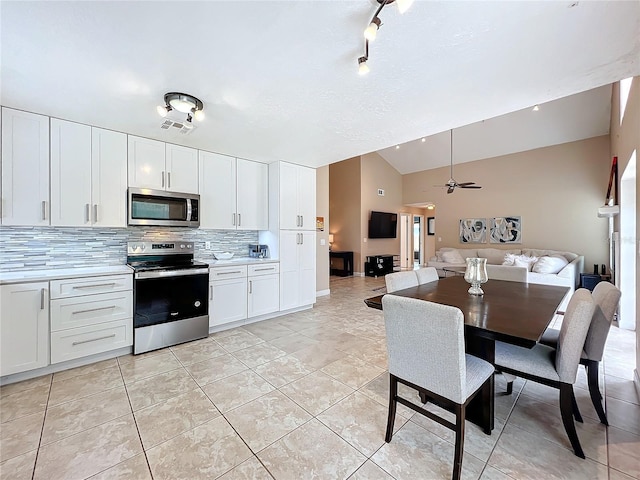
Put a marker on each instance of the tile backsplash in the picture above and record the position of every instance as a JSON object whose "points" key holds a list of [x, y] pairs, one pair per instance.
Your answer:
{"points": [[37, 248]]}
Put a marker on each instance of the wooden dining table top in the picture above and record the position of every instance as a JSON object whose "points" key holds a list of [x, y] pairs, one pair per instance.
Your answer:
{"points": [[513, 312]]}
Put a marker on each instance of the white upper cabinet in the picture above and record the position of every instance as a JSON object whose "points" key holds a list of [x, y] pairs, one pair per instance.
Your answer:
{"points": [[233, 193], [297, 197], [146, 163], [108, 178], [25, 168], [162, 166], [88, 176], [70, 173], [181, 169]]}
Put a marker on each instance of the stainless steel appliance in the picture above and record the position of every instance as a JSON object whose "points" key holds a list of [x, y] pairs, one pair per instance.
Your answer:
{"points": [[258, 251], [168, 209], [170, 294]]}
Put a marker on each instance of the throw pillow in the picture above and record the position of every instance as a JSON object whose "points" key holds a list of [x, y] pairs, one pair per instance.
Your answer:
{"points": [[525, 261], [452, 256], [550, 264], [509, 259]]}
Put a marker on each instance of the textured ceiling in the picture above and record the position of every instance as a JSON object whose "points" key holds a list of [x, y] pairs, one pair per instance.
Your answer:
{"points": [[279, 79]]}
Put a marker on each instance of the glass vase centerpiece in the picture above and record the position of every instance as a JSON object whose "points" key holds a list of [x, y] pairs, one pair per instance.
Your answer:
{"points": [[476, 274]]}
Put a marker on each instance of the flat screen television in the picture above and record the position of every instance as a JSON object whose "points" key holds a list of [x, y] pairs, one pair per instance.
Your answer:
{"points": [[383, 225]]}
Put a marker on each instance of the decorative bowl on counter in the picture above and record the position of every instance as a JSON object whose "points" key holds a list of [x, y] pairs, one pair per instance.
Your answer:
{"points": [[223, 255]]}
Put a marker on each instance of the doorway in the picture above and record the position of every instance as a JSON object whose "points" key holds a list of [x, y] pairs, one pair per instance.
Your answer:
{"points": [[418, 241], [627, 265]]}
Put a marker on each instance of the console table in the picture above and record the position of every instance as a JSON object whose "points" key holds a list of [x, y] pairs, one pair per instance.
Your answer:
{"points": [[347, 263]]}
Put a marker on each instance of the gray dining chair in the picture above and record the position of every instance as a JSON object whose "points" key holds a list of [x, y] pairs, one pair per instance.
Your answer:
{"points": [[507, 272], [426, 275], [607, 298], [555, 367], [400, 280], [425, 347]]}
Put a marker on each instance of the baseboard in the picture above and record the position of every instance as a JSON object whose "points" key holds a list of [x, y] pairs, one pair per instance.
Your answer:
{"points": [[636, 381], [322, 293], [358, 274]]}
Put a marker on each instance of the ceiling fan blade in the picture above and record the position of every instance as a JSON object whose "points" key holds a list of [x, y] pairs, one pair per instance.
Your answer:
{"points": [[466, 183], [462, 185]]}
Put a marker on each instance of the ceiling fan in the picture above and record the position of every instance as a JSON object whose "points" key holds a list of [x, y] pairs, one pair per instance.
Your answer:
{"points": [[452, 184]]}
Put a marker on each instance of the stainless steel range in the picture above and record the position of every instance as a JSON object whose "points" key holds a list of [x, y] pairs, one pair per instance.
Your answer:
{"points": [[170, 292]]}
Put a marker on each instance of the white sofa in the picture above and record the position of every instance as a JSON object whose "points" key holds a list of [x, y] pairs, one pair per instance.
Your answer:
{"points": [[568, 276]]}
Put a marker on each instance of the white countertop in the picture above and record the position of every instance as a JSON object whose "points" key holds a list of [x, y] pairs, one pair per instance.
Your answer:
{"points": [[240, 261], [60, 273]]}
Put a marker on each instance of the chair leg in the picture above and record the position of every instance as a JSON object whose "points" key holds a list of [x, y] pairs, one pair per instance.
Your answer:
{"points": [[594, 389], [393, 394], [509, 388], [566, 410], [459, 448], [576, 409]]}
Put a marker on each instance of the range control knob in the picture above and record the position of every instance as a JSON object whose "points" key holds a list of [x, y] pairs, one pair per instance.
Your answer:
{"points": [[182, 245]]}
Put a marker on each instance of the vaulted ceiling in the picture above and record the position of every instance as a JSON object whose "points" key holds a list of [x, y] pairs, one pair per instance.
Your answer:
{"points": [[279, 78]]}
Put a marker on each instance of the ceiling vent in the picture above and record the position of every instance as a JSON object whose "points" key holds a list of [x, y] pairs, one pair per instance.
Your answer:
{"points": [[177, 124]]}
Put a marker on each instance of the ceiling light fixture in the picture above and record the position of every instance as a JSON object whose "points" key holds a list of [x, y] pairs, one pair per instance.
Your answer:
{"points": [[372, 30], [535, 108], [424, 140], [184, 103]]}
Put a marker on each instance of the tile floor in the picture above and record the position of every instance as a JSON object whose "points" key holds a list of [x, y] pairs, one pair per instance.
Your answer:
{"points": [[298, 397]]}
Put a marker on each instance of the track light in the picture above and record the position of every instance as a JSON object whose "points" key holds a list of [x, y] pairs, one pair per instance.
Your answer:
{"points": [[403, 5], [535, 108], [163, 110], [372, 30], [363, 68]]}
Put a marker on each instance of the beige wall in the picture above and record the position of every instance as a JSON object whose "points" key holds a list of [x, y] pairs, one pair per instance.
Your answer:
{"points": [[625, 139], [556, 190], [322, 210], [344, 206]]}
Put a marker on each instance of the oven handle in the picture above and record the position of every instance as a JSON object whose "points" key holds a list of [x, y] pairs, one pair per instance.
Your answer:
{"points": [[170, 273]]}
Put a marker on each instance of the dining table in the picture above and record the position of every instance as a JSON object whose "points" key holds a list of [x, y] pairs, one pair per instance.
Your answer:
{"points": [[511, 312]]}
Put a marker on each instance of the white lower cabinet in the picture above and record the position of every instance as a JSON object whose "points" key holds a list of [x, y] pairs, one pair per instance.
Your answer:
{"points": [[24, 327], [227, 295], [264, 295], [90, 315]]}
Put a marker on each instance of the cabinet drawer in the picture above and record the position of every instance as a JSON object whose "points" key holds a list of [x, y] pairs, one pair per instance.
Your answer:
{"points": [[90, 310], [264, 269], [224, 273], [75, 287], [84, 341]]}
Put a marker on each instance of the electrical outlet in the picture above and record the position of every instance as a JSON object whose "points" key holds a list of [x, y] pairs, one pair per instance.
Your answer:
{"points": [[207, 245]]}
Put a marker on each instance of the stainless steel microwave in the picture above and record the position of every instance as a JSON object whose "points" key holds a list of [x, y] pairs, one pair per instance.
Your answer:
{"points": [[160, 208]]}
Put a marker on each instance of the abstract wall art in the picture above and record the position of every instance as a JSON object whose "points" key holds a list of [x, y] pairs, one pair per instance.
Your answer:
{"points": [[473, 230], [505, 230]]}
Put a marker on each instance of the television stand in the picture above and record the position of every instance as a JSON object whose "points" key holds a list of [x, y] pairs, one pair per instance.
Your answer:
{"points": [[380, 265]]}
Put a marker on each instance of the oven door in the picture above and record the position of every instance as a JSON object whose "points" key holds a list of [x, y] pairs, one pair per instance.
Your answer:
{"points": [[157, 207], [170, 295]]}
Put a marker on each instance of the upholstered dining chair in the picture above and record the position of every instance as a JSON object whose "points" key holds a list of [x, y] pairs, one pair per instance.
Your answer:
{"points": [[425, 346], [607, 298], [399, 280], [507, 272], [426, 275], [555, 367]]}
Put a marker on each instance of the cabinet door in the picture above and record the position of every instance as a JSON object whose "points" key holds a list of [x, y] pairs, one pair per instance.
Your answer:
{"points": [[307, 198], [70, 174], [108, 178], [307, 268], [227, 301], [252, 195], [146, 161], [289, 285], [24, 327], [289, 216], [181, 169], [25, 168], [264, 295], [217, 191]]}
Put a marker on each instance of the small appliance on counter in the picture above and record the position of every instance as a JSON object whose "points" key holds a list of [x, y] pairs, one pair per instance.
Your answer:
{"points": [[258, 251]]}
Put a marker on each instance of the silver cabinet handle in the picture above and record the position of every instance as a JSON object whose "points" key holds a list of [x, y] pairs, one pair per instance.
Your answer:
{"points": [[298, 221], [168, 179], [87, 213], [42, 294], [250, 286], [95, 212], [233, 219], [228, 273], [263, 269], [95, 286], [301, 239], [210, 292], [93, 310], [302, 220], [163, 179], [44, 210], [93, 339], [239, 219]]}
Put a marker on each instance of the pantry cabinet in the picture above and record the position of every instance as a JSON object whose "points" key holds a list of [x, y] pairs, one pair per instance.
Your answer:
{"points": [[233, 192], [297, 269], [24, 327], [297, 197], [162, 166], [25, 168]]}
